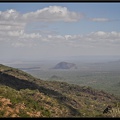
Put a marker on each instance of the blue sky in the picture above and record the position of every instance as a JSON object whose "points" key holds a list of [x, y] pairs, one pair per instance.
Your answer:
{"points": [[50, 30]]}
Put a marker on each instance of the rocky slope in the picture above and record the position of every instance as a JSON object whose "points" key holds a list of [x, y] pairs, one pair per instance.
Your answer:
{"points": [[22, 95]]}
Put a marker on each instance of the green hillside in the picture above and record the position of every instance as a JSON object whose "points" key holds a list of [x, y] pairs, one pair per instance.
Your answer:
{"points": [[22, 95]]}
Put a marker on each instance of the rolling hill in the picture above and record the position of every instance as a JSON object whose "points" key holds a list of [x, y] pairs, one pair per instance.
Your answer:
{"points": [[22, 95]]}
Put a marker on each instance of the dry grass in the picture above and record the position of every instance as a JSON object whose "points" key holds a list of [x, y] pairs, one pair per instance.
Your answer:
{"points": [[115, 112]]}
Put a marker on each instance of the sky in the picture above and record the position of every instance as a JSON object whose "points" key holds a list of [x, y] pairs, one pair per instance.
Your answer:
{"points": [[34, 31]]}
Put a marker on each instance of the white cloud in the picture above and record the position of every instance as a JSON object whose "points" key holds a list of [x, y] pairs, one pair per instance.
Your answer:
{"points": [[105, 35], [53, 13], [67, 37], [31, 36], [9, 15], [99, 38], [99, 19], [100, 33], [15, 33], [18, 44], [13, 23]]}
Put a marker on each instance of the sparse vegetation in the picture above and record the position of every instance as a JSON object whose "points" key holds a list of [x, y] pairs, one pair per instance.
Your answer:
{"points": [[38, 98], [115, 112]]}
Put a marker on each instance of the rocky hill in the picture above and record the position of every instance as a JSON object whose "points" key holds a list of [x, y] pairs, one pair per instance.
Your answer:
{"points": [[22, 95], [65, 65]]}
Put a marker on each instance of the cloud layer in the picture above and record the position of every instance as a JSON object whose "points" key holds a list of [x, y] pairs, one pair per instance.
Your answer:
{"points": [[93, 38], [48, 14], [13, 34], [13, 23]]}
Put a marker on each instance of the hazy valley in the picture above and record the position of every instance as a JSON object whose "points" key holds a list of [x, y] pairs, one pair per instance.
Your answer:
{"points": [[102, 74]]}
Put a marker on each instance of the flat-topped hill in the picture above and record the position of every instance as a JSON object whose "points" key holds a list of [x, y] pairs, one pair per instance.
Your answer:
{"points": [[65, 65]]}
